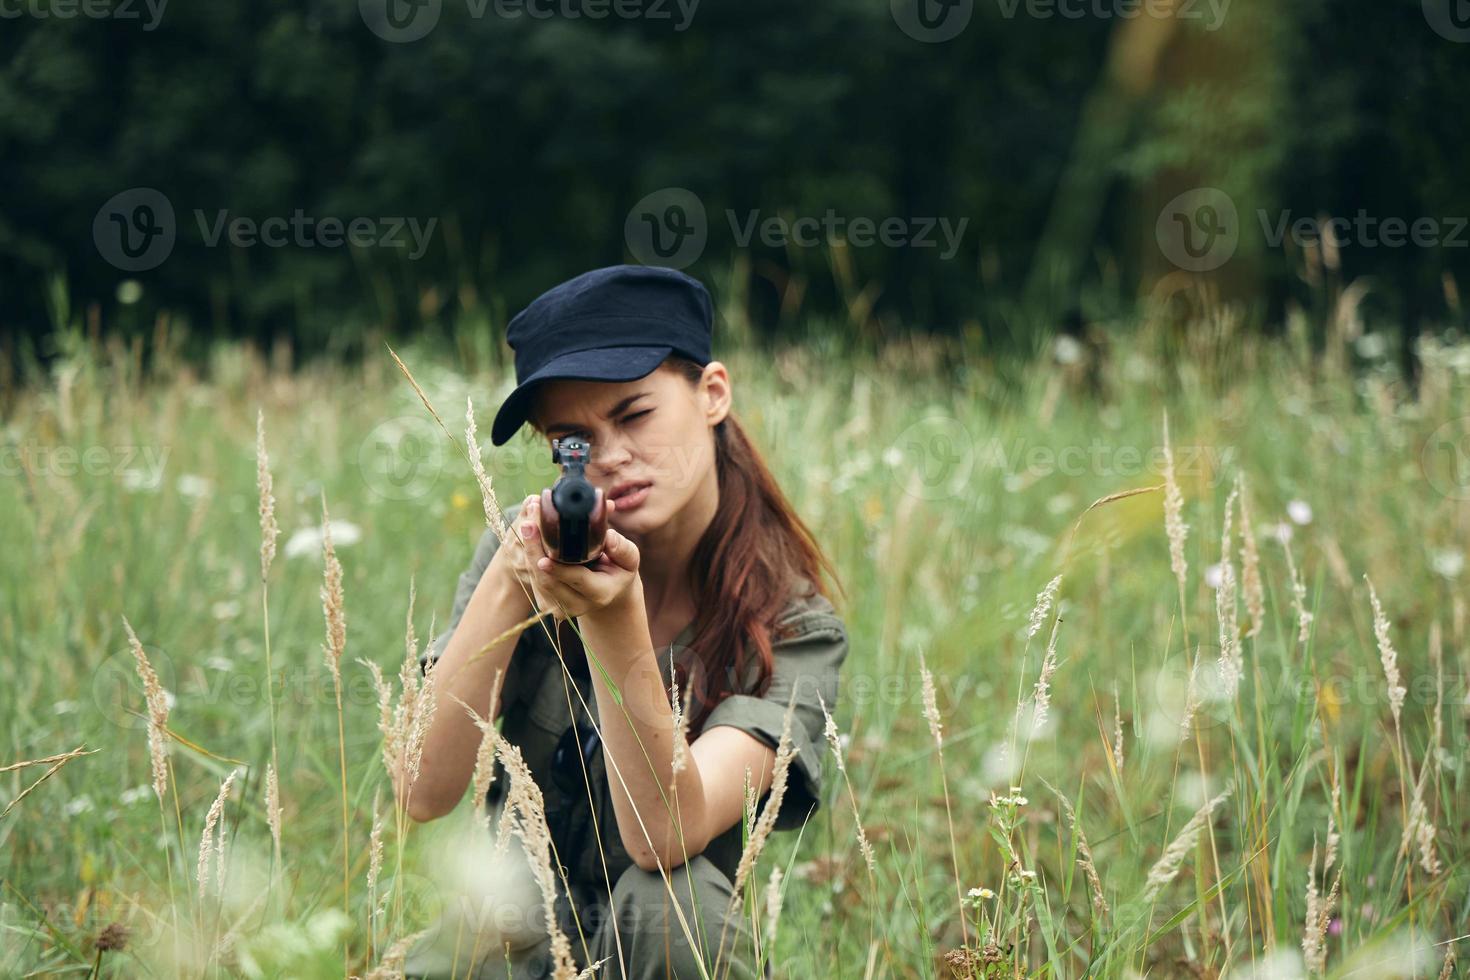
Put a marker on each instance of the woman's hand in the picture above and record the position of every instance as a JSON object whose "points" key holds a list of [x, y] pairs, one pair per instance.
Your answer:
{"points": [[569, 590], [518, 553]]}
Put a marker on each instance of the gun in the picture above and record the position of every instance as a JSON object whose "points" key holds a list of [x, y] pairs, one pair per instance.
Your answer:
{"points": [[574, 498]]}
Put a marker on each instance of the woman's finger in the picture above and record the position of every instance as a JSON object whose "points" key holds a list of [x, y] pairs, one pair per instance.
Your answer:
{"points": [[620, 551], [528, 509], [602, 509], [553, 586], [570, 581], [550, 522], [531, 529]]}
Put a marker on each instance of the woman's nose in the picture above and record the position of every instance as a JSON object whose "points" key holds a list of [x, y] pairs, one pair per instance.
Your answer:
{"points": [[609, 454]]}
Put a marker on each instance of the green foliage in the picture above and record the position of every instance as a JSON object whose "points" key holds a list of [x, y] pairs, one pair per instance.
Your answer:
{"points": [[529, 141]]}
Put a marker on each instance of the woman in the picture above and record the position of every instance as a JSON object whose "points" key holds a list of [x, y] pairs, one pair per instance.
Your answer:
{"points": [[704, 570]]}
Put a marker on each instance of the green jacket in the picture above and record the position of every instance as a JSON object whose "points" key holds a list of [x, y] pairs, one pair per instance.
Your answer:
{"points": [[809, 645]]}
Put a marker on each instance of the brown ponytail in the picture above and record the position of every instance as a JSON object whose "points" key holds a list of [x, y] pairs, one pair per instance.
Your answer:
{"points": [[744, 568]]}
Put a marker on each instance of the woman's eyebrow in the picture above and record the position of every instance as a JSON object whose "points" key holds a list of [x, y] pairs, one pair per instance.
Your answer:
{"points": [[619, 407]]}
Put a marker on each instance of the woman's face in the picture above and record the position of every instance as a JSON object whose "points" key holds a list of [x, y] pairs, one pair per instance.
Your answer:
{"points": [[652, 439]]}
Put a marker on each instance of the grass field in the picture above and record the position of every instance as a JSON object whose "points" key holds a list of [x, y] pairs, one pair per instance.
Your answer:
{"points": [[949, 493]]}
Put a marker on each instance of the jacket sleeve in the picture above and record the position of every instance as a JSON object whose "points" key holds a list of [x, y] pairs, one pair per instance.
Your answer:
{"points": [[468, 580], [807, 662]]}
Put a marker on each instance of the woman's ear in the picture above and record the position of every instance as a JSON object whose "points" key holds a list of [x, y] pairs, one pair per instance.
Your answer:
{"points": [[715, 390]]}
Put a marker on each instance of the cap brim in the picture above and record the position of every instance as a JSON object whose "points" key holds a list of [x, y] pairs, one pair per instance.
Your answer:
{"points": [[598, 364]]}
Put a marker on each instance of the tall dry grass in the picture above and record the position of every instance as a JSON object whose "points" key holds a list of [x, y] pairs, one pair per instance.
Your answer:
{"points": [[1308, 823]]}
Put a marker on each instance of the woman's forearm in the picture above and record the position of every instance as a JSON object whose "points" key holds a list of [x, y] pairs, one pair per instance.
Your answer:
{"points": [[450, 745], [659, 812]]}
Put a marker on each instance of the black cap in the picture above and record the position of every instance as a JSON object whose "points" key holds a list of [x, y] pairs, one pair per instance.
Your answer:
{"points": [[612, 324]]}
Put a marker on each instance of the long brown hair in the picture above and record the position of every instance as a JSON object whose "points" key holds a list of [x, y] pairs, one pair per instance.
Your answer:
{"points": [[742, 573]]}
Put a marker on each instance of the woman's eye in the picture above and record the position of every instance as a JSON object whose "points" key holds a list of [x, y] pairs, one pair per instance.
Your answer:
{"points": [[638, 415]]}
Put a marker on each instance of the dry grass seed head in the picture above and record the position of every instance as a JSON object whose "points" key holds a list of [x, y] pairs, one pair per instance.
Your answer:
{"points": [[1251, 585], [391, 966], [785, 752], [1231, 667], [773, 906], [1166, 869], [273, 802], [157, 713], [1044, 600], [494, 519], [418, 728], [931, 705], [269, 530], [524, 817], [829, 731], [1174, 525], [1314, 931], [1084, 854], [1388, 656], [680, 706], [1117, 729], [484, 775], [332, 605], [1191, 698], [1041, 695], [207, 845], [1298, 598]]}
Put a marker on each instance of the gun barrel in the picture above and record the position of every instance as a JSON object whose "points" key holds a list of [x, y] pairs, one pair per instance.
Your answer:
{"points": [[574, 498]]}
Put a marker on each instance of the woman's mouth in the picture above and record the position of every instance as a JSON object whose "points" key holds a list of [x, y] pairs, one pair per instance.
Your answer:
{"points": [[631, 494]]}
